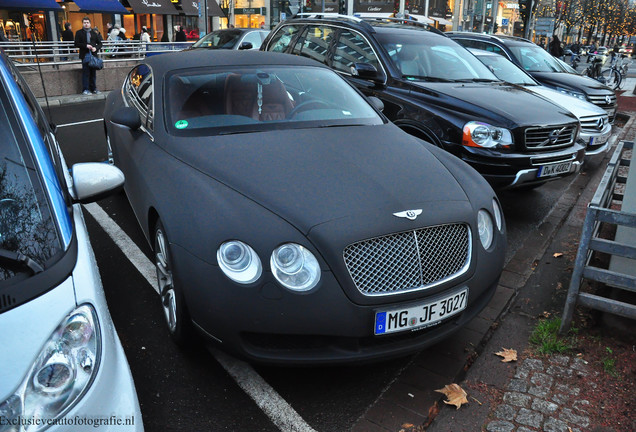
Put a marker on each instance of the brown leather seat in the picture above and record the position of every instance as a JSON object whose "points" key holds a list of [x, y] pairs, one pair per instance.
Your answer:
{"points": [[240, 97], [276, 102]]}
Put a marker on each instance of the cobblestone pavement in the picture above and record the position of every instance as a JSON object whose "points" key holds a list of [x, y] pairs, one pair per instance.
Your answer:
{"points": [[541, 397]]}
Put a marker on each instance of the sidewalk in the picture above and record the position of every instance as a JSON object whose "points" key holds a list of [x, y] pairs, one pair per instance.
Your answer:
{"points": [[549, 393]]}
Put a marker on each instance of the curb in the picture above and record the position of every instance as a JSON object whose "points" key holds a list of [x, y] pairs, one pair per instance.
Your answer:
{"points": [[392, 410], [57, 101]]}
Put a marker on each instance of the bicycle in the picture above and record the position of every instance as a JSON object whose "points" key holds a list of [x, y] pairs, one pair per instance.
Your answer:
{"points": [[616, 73], [611, 76]]}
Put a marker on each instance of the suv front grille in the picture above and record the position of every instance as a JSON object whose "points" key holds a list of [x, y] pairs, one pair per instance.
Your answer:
{"points": [[410, 260], [602, 100], [550, 137], [593, 124]]}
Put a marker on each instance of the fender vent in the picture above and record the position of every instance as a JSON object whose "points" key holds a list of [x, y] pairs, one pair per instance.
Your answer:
{"points": [[6, 302]]}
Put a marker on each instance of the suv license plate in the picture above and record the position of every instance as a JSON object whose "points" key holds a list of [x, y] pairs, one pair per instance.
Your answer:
{"points": [[424, 315], [555, 169]]}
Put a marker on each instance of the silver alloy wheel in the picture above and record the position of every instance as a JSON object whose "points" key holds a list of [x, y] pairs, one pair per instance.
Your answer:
{"points": [[164, 277]]}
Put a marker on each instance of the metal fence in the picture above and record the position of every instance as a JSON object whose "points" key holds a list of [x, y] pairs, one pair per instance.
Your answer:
{"points": [[599, 212], [28, 54]]}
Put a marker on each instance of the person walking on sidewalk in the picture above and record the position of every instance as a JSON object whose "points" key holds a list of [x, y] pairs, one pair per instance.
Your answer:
{"points": [[67, 36], [87, 39]]}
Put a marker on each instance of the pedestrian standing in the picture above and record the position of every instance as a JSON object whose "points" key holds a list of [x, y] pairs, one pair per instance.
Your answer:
{"points": [[180, 36], [88, 40], [145, 36], [555, 47], [67, 36]]}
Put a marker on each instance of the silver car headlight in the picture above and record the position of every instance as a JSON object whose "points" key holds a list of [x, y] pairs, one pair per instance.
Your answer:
{"points": [[239, 262], [295, 267], [485, 228], [498, 214], [478, 134], [573, 93], [63, 371]]}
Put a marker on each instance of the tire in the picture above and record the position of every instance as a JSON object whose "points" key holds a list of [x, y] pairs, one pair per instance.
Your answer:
{"points": [[175, 311], [611, 78]]}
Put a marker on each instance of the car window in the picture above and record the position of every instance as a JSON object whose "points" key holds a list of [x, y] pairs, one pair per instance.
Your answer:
{"points": [[283, 37], [482, 45], [315, 43], [246, 99], [254, 38], [353, 48], [27, 226], [533, 58], [505, 70], [219, 39], [139, 92]]}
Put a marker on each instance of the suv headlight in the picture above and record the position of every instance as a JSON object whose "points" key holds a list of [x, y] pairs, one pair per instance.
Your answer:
{"points": [[239, 262], [295, 267], [478, 134], [569, 92], [60, 376]]}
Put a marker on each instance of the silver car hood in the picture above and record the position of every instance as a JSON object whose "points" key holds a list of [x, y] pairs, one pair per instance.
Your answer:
{"points": [[576, 106]]}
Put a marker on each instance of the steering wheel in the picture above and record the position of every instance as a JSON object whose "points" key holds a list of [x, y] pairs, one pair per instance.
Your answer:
{"points": [[303, 106]]}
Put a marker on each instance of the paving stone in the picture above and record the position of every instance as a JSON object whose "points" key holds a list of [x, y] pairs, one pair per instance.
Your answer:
{"points": [[542, 384], [561, 398], [522, 373], [500, 426], [555, 425], [581, 405], [569, 416], [544, 406], [561, 360], [580, 365], [517, 399], [518, 385], [560, 372], [505, 412], [529, 418], [533, 364], [525, 429]]}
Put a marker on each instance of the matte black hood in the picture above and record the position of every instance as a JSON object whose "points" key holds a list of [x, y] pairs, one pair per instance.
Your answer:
{"points": [[311, 176], [514, 106], [568, 80]]}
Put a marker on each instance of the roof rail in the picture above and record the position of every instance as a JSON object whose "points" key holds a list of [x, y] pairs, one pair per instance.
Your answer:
{"points": [[326, 15], [404, 21], [498, 37]]}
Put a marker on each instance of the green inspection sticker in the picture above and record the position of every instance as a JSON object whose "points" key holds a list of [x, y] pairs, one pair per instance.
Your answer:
{"points": [[181, 124]]}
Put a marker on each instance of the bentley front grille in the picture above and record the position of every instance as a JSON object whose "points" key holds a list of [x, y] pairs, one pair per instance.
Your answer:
{"points": [[410, 260], [553, 137]]}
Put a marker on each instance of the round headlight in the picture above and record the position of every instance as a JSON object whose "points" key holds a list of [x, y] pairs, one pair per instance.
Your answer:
{"points": [[498, 214], [295, 267], [485, 228], [239, 262], [481, 134]]}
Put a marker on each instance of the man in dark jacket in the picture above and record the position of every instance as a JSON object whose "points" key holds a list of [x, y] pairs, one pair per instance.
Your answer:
{"points": [[87, 40], [180, 36]]}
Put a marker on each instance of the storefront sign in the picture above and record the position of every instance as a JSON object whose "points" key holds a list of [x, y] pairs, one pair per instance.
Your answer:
{"points": [[250, 11]]}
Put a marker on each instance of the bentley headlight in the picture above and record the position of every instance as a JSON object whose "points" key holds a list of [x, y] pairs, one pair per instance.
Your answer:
{"points": [[239, 262], [498, 214], [573, 93], [485, 228], [478, 134], [295, 267], [60, 376]]}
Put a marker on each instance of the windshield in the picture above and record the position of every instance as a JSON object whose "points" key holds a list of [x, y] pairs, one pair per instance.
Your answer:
{"points": [[247, 99], [28, 236], [505, 70], [533, 58], [445, 60], [220, 39]]}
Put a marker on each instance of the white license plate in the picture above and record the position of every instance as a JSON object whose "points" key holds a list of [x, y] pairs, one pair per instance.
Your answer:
{"points": [[554, 169], [599, 140], [424, 315]]}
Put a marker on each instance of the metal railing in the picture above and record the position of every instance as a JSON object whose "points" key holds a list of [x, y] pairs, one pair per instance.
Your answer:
{"points": [[599, 212], [28, 54]]}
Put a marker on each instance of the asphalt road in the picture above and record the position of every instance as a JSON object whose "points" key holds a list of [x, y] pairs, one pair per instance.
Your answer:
{"points": [[198, 390]]}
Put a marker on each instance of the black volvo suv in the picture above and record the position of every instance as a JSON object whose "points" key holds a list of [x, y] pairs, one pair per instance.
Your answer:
{"points": [[435, 89]]}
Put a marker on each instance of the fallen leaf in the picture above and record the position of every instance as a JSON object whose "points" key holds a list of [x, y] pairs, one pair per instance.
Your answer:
{"points": [[507, 354], [559, 286], [455, 395], [546, 314], [407, 425], [557, 254]]}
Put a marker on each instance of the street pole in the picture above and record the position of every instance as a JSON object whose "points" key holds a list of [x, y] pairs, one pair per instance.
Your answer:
{"points": [[495, 11], [457, 13], [203, 17], [401, 7], [483, 16]]}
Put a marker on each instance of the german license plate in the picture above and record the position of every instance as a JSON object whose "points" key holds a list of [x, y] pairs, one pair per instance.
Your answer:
{"points": [[554, 169], [423, 315]]}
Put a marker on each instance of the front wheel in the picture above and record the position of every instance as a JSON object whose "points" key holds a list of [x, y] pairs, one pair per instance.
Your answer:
{"points": [[611, 78], [172, 301]]}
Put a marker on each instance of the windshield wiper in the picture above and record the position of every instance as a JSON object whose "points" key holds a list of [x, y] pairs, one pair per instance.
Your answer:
{"points": [[484, 80], [426, 78], [20, 258]]}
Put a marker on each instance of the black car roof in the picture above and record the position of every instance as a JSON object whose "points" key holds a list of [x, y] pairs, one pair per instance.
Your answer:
{"points": [[370, 24], [164, 63]]}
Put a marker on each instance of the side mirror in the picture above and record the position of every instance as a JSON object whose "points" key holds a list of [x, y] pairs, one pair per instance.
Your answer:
{"points": [[93, 181], [127, 116], [246, 46], [377, 103], [369, 72]]}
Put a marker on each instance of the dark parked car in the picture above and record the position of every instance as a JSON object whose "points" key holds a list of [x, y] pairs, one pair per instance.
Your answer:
{"points": [[233, 39], [434, 89], [291, 222], [543, 67]]}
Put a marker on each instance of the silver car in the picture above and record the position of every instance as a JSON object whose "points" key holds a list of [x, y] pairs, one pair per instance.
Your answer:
{"points": [[62, 366]]}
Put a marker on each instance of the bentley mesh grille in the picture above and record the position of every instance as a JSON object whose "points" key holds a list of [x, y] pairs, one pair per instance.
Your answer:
{"points": [[409, 260], [550, 138]]}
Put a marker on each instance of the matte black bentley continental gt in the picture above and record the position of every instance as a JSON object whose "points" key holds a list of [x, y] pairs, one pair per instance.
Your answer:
{"points": [[290, 221]]}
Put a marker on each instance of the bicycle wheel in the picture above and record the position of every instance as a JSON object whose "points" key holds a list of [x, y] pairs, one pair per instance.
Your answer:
{"points": [[611, 77]]}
